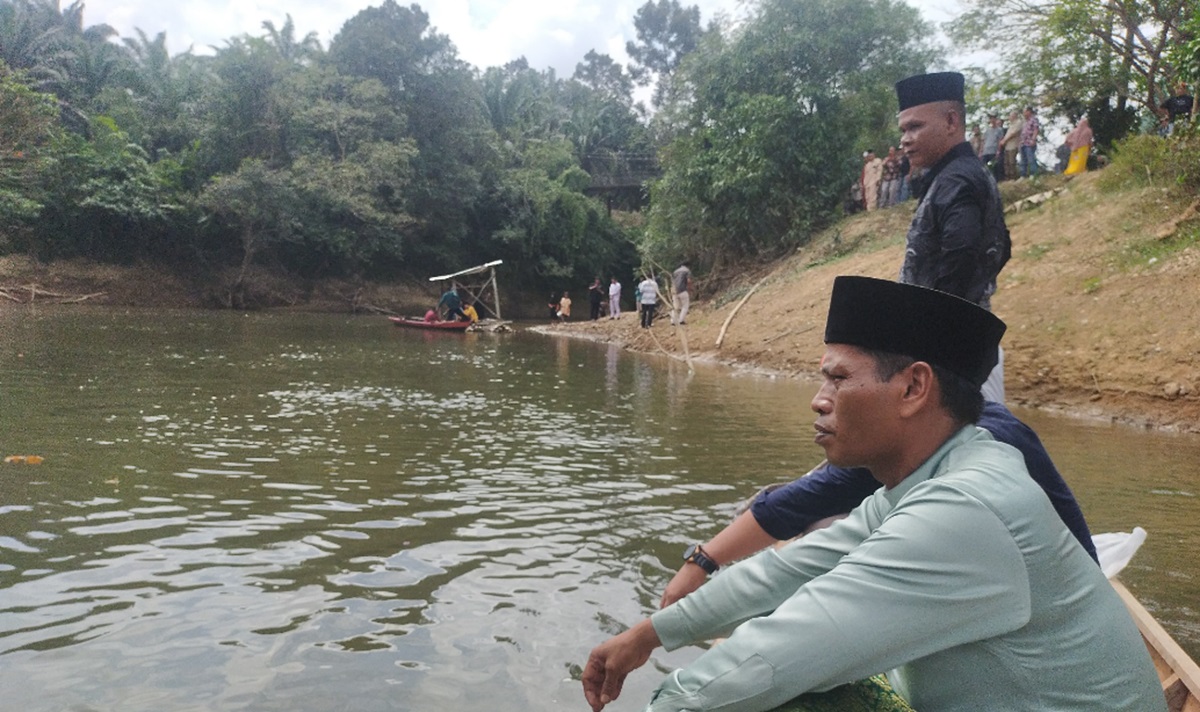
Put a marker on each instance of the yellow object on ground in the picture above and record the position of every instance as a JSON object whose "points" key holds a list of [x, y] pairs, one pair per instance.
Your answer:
{"points": [[24, 459], [1078, 162]]}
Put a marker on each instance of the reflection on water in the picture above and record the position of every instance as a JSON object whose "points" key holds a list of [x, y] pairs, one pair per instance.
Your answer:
{"points": [[309, 512]]}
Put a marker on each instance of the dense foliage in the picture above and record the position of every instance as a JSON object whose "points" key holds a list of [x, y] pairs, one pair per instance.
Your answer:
{"points": [[1107, 59], [768, 123], [386, 155]]}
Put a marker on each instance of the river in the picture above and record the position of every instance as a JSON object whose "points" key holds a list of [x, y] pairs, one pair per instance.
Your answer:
{"points": [[320, 512]]}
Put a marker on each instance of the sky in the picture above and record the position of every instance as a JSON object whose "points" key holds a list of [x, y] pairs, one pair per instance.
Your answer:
{"points": [[487, 33]]}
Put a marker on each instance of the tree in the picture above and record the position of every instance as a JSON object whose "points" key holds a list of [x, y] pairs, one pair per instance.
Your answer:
{"points": [[1071, 54], [261, 207], [766, 124], [666, 33], [284, 42], [103, 197], [27, 124]]}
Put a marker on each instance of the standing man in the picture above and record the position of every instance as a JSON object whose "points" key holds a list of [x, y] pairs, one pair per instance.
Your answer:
{"points": [[872, 175], [1029, 138], [595, 298], [991, 146], [958, 241], [681, 280], [614, 298], [889, 190], [453, 305], [1178, 108], [956, 576], [1011, 143], [648, 298]]}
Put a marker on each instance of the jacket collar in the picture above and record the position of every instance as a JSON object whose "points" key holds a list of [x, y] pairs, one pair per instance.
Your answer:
{"points": [[921, 183]]}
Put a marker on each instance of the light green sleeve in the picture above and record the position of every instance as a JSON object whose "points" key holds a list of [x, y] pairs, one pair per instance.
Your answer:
{"points": [[941, 570]]}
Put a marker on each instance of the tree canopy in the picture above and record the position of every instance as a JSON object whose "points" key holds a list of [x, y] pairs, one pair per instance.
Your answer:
{"points": [[385, 154]]}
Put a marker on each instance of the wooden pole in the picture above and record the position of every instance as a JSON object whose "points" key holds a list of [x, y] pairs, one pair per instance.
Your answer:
{"points": [[496, 292]]}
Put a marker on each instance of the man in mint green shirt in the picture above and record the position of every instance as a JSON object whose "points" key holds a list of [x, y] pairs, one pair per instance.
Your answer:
{"points": [[956, 577]]}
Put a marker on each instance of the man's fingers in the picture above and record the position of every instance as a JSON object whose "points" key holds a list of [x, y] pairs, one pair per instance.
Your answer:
{"points": [[613, 681], [593, 679]]}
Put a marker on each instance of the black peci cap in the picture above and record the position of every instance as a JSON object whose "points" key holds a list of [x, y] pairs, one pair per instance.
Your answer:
{"points": [[938, 328], [926, 88]]}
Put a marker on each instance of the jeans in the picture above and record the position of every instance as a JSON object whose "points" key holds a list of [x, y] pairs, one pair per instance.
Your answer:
{"points": [[1029, 164], [904, 189], [889, 193]]}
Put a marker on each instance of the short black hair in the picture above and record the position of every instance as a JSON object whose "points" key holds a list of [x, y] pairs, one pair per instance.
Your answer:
{"points": [[960, 397]]}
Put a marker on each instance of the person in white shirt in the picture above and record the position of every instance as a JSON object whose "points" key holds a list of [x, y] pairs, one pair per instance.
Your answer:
{"points": [[649, 291]]}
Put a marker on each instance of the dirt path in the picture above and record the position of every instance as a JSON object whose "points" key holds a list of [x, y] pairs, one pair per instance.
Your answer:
{"points": [[1103, 314]]}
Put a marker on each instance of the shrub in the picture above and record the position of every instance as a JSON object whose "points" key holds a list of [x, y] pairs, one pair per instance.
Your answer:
{"points": [[1155, 161]]}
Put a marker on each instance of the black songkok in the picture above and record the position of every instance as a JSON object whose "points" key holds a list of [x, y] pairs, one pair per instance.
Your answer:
{"points": [[925, 324], [927, 88]]}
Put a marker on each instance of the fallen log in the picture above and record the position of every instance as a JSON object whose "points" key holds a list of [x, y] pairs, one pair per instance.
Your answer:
{"points": [[728, 319]]}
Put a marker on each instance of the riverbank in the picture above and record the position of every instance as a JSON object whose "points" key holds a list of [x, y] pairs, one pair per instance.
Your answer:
{"points": [[1100, 297]]}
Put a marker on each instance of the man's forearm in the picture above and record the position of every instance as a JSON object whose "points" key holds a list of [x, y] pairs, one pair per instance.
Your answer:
{"points": [[743, 537]]}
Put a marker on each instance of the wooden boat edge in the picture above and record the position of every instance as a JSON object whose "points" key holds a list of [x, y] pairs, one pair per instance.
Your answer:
{"points": [[1179, 674]]}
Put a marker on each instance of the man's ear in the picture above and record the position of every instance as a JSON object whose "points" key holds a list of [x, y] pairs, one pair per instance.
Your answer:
{"points": [[920, 388]]}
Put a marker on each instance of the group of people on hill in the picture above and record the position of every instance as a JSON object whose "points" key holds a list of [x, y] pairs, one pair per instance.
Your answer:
{"points": [[1009, 149], [646, 297], [937, 543], [882, 183]]}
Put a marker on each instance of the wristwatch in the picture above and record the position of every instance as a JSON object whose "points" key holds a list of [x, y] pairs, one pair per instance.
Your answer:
{"points": [[695, 555]]}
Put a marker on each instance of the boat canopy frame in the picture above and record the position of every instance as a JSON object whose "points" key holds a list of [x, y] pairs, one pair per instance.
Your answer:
{"points": [[479, 283]]}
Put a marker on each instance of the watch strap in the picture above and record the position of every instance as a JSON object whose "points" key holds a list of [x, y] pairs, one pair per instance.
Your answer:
{"points": [[695, 555]]}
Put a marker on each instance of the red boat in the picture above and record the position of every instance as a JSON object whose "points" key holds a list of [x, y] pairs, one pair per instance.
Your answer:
{"points": [[419, 323]]}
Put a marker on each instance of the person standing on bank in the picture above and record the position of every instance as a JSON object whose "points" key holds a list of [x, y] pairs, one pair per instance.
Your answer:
{"points": [[1029, 138], [648, 298], [681, 280], [595, 298], [614, 298], [958, 241]]}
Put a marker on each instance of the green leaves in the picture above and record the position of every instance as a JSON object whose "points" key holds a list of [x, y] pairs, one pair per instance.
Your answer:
{"points": [[767, 125]]}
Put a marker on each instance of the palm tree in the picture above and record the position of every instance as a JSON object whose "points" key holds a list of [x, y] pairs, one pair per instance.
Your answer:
{"points": [[284, 42]]}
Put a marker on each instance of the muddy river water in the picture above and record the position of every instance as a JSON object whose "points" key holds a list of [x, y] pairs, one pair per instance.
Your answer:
{"points": [[321, 512]]}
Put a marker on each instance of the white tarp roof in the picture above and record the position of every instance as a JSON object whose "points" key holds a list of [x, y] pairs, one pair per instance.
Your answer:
{"points": [[472, 270]]}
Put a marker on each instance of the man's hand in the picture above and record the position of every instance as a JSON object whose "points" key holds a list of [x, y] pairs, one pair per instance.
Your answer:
{"points": [[612, 660], [687, 579]]}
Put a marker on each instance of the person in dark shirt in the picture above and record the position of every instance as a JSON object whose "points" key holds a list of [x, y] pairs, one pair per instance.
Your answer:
{"points": [[453, 305], [958, 241], [1178, 108]]}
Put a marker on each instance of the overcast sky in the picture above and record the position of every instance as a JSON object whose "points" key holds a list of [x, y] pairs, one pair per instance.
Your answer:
{"points": [[549, 33]]}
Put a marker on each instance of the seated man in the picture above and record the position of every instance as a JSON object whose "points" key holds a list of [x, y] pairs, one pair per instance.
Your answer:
{"points": [[829, 491], [957, 575]]}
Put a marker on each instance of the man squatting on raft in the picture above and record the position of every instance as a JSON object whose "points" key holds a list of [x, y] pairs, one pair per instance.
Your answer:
{"points": [[957, 575]]}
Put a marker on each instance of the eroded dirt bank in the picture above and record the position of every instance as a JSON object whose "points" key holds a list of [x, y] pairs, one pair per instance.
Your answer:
{"points": [[1102, 309]]}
